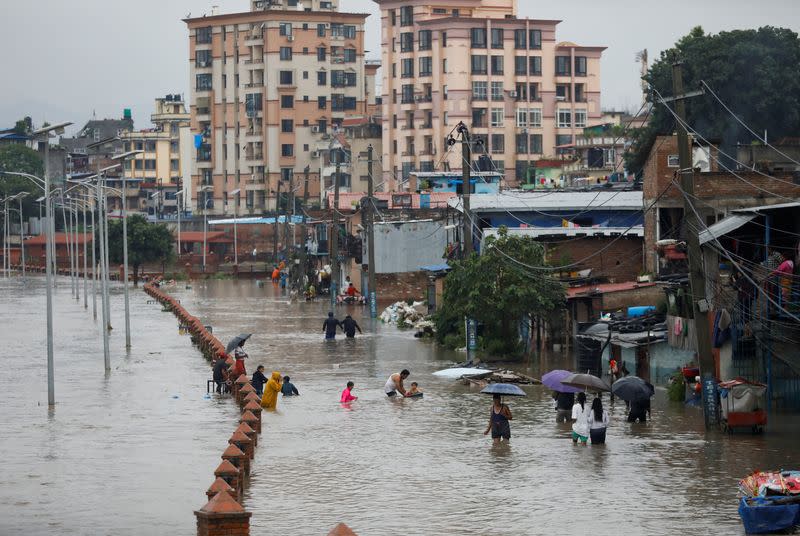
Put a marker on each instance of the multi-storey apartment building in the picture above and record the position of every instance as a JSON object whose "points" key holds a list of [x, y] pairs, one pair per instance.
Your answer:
{"points": [[269, 89], [520, 91], [158, 172]]}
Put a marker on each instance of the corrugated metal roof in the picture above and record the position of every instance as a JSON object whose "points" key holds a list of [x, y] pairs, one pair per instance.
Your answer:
{"points": [[724, 226], [554, 200]]}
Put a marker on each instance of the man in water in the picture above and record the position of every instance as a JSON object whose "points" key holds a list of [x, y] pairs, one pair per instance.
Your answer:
{"points": [[350, 326], [220, 374], [395, 383], [329, 326], [288, 388]]}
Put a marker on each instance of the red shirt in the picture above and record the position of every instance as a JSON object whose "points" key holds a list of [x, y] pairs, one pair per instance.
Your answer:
{"points": [[346, 396], [238, 368], [351, 291]]}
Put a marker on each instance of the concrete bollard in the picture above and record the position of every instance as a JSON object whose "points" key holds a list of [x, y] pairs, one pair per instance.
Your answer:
{"points": [[342, 530], [251, 397], [238, 458], [244, 443], [247, 430], [222, 516], [255, 409], [250, 420], [220, 485], [230, 474]]}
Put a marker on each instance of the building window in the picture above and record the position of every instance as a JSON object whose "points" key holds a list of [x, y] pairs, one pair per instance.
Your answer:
{"points": [[444, 39], [479, 91], [406, 41], [535, 39], [321, 53], [287, 125], [320, 30], [535, 117], [498, 143], [535, 66], [673, 160], [497, 38], [536, 144], [286, 53], [479, 65], [407, 16], [520, 39], [561, 141], [286, 77], [425, 40], [203, 35], [563, 93], [287, 174], [407, 93], [203, 82], [150, 146], [580, 118], [349, 55], [426, 66], [521, 145], [285, 28], [533, 92], [393, 18], [497, 91], [478, 37], [580, 65], [562, 66], [322, 102], [564, 118], [202, 58], [287, 101], [497, 117], [322, 78], [522, 117], [497, 64], [287, 149], [407, 68], [520, 65], [349, 31], [478, 117]]}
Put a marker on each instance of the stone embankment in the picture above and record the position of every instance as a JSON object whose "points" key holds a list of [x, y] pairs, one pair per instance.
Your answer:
{"points": [[224, 513]]}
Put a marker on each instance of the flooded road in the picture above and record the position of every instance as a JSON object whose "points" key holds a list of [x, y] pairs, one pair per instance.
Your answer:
{"points": [[133, 452]]}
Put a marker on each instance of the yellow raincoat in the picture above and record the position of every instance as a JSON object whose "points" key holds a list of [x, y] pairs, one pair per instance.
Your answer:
{"points": [[269, 400]]}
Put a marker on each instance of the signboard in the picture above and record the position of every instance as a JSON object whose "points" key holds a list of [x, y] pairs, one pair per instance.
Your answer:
{"points": [[472, 336], [373, 304], [710, 400]]}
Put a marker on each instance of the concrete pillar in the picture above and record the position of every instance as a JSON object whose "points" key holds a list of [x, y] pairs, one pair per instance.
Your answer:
{"points": [[251, 397], [230, 474], [245, 389], [220, 485], [241, 440], [250, 420], [249, 432], [238, 458], [222, 516], [255, 409], [342, 530]]}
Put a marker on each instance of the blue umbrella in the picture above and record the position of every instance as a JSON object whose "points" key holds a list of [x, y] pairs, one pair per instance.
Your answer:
{"points": [[552, 380], [503, 389]]}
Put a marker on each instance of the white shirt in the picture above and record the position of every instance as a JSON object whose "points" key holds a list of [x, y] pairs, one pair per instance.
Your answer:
{"points": [[390, 385], [580, 426], [594, 424]]}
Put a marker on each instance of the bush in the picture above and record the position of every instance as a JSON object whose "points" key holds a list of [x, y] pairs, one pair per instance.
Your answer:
{"points": [[676, 391]]}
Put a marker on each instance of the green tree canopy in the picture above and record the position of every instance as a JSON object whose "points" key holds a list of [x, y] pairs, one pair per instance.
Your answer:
{"points": [[752, 71], [498, 292], [20, 159], [146, 243]]}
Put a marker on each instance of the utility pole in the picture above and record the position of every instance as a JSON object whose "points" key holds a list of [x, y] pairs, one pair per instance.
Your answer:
{"points": [[696, 274], [370, 214], [275, 229], [303, 254], [335, 232], [289, 198], [466, 186]]}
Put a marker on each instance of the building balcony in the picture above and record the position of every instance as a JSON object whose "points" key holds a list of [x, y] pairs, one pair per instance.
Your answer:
{"points": [[254, 85], [255, 63], [257, 156]]}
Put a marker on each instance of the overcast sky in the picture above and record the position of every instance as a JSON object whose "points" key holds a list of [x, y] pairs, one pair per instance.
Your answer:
{"points": [[67, 60]]}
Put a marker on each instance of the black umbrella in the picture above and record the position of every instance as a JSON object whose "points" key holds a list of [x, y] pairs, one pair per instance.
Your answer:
{"points": [[586, 381], [236, 341], [632, 388]]}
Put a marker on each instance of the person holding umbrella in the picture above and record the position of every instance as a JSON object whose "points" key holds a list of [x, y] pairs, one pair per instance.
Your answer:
{"points": [[500, 414], [580, 427]]}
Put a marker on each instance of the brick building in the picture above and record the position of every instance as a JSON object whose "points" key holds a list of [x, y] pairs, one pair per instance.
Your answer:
{"points": [[719, 192]]}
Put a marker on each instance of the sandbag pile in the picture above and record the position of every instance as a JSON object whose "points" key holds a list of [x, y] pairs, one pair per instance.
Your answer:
{"points": [[407, 316]]}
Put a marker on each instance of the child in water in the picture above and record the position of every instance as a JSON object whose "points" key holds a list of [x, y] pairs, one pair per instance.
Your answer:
{"points": [[346, 394], [415, 390]]}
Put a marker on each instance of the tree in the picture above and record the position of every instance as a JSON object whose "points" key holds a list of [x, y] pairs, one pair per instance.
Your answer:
{"points": [[21, 159], [750, 70], [146, 243], [498, 292]]}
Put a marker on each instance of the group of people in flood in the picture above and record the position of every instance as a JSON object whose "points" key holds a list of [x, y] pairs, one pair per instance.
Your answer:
{"points": [[348, 326]]}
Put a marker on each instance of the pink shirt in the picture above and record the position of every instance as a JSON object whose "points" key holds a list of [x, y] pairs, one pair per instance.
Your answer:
{"points": [[346, 396]]}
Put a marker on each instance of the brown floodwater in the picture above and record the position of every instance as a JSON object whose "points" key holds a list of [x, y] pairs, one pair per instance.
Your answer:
{"points": [[132, 452]]}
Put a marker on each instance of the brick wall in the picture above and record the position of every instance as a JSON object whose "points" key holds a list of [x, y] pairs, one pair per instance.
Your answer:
{"points": [[622, 261], [402, 286]]}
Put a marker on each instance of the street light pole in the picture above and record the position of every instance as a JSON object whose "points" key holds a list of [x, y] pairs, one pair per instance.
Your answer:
{"points": [[103, 286], [85, 263], [235, 194], [21, 239]]}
